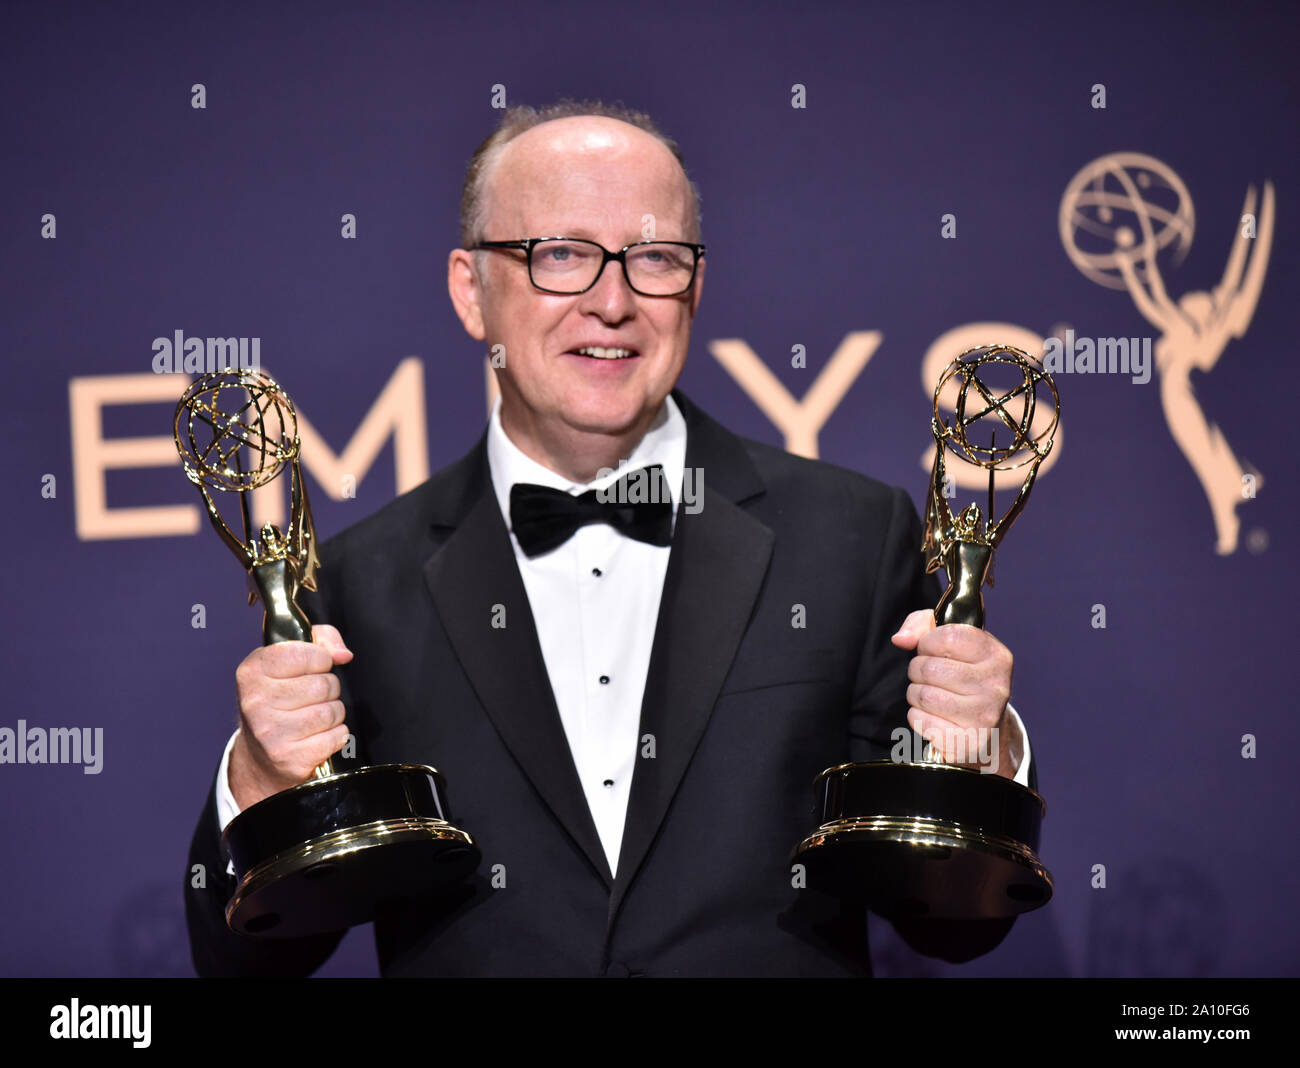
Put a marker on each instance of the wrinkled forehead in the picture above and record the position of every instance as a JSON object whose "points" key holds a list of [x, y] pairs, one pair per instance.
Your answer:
{"points": [[587, 177]]}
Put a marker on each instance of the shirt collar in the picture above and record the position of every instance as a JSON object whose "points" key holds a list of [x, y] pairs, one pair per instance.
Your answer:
{"points": [[664, 443]]}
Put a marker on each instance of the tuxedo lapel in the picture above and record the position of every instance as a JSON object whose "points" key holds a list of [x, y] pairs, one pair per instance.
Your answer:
{"points": [[718, 560], [472, 573]]}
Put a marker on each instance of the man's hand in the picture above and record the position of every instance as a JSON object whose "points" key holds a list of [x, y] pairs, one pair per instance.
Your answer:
{"points": [[291, 718], [960, 685]]}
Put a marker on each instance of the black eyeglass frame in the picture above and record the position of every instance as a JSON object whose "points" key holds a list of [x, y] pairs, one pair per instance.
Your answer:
{"points": [[527, 244]]}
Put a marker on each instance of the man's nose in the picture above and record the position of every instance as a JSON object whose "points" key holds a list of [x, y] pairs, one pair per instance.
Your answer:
{"points": [[612, 296]]}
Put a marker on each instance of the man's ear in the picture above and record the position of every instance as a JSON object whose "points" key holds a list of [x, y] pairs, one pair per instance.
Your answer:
{"points": [[466, 291]]}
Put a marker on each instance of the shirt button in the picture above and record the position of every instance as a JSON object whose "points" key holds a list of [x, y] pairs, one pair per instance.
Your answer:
{"points": [[604, 680], [609, 782], [596, 571]]}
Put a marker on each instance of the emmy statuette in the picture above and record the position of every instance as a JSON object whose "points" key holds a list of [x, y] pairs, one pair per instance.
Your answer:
{"points": [[329, 853], [923, 838]]}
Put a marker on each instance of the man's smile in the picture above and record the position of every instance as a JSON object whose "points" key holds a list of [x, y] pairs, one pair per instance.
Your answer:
{"points": [[604, 352]]}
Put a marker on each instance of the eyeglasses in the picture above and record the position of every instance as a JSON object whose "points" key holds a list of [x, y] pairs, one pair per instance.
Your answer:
{"points": [[570, 265]]}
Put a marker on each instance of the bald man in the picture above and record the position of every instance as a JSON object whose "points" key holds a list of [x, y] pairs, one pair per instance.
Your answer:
{"points": [[633, 747]]}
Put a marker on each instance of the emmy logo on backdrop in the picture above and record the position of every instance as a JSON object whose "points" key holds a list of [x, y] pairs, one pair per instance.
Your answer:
{"points": [[923, 838], [333, 851], [1118, 214]]}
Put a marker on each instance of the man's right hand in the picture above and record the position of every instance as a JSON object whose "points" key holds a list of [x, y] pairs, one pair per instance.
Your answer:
{"points": [[291, 718]]}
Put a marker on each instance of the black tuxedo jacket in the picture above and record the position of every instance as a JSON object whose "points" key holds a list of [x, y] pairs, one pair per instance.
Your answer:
{"points": [[771, 661]]}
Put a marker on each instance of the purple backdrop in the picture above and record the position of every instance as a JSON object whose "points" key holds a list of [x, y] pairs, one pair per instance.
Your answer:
{"points": [[821, 220]]}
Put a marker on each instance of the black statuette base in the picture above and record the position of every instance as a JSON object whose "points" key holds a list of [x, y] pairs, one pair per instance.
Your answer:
{"points": [[923, 839], [332, 852]]}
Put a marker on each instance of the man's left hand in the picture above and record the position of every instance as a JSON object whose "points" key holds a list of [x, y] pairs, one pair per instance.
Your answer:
{"points": [[960, 685]]}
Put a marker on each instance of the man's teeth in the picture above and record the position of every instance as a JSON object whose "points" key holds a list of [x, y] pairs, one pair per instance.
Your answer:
{"points": [[605, 354]]}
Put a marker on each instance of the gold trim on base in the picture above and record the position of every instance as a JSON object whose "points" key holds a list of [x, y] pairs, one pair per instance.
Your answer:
{"points": [[922, 831], [338, 844]]}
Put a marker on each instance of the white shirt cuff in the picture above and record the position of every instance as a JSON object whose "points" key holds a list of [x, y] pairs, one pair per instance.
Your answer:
{"points": [[227, 806], [1022, 772]]}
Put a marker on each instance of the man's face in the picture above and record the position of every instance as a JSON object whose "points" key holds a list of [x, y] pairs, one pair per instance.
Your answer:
{"points": [[597, 179]]}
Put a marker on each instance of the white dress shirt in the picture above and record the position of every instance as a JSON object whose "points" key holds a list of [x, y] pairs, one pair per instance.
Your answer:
{"points": [[595, 603], [595, 600]]}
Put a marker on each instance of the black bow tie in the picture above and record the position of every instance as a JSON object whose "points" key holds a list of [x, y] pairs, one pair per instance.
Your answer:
{"points": [[637, 505]]}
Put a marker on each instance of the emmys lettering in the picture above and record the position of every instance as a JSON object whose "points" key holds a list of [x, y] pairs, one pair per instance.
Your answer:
{"points": [[1125, 219], [195, 355], [76, 1020], [57, 745]]}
